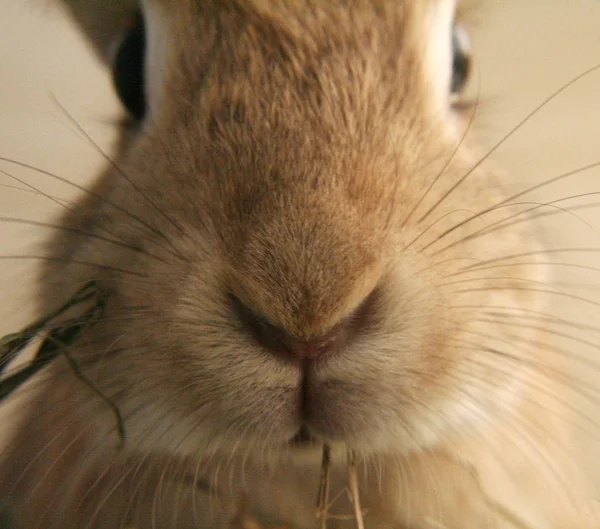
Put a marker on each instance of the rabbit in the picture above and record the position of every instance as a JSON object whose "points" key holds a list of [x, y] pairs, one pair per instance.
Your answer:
{"points": [[296, 243]]}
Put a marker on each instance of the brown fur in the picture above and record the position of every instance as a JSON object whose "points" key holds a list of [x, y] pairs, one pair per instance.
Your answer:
{"points": [[286, 165]]}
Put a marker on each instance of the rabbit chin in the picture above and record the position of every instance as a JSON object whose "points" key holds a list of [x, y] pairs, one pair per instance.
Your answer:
{"points": [[333, 414]]}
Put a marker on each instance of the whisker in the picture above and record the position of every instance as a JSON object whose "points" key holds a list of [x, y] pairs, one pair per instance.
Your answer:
{"points": [[62, 202], [114, 165], [575, 285], [538, 369], [553, 180], [426, 229], [119, 243], [523, 436], [450, 158], [563, 380], [98, 197], [135, 470], [36, 190], [508, 279], [553, 332], [525, 289], [83, 263], [526, 428], [56, 437], [505, 279], [115, 462], [506, 137], [528, 313], [536, 216], [509, 201], [500, 224], [549, 251], [525, 263], [51, 467]]}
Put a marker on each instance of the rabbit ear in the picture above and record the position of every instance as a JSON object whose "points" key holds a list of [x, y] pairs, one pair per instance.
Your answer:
{"points": [[104, 22]]}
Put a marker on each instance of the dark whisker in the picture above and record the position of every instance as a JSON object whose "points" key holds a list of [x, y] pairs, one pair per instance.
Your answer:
{"points": [[135, 249], [503, 224], [536, 206], [450, 158], [506, 137], [58, 200], [509, 201], [84, 263], [98, 197], [114, 165], [552, 181], [62, 203], [425, 230], [38, 191], [530, 254], [547, 330]]}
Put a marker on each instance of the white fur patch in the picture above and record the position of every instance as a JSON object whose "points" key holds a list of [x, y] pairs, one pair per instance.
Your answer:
{"points": [[438, 54], [157, 38]]}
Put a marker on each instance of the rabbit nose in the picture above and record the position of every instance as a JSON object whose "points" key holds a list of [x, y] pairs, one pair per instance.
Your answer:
{"points": [[279, 342], [312, 349]]}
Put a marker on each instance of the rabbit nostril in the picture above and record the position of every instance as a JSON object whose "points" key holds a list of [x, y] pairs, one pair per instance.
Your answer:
{"points": [[269, 336], [315, 348], [277, 341]]}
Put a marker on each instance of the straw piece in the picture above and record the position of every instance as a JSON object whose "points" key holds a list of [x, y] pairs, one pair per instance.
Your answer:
{"points": [[353, 486]]}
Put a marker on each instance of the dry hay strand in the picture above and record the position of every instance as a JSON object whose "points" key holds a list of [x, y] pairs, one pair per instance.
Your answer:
{"points": [[324, 504]]}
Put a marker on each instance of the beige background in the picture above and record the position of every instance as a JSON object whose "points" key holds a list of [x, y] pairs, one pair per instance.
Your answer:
{"points": [[526, 50]]}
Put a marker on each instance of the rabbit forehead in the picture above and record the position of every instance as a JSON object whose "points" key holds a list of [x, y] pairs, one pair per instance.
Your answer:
{"points": [[427, 23]]}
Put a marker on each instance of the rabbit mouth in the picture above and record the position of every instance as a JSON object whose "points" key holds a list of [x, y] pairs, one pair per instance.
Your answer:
{"points": [[318, 424], [303, 438]]}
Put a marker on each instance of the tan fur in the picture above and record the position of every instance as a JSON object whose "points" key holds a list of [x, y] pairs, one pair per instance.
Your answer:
{"points": [[286, 164]]}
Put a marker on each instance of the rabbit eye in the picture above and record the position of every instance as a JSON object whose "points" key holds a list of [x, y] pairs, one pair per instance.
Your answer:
{"points": [[128, 70], [461, 60]]}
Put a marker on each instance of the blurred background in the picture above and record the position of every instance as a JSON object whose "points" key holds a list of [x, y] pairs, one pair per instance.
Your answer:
{"points": [[525, 50]]}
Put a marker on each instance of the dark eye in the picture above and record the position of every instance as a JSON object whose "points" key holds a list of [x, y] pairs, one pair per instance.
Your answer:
{"points": [[128, 70], [461, 60]]}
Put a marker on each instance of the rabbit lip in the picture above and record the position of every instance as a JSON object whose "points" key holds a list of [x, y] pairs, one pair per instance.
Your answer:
{"points": [[303, 437]]}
